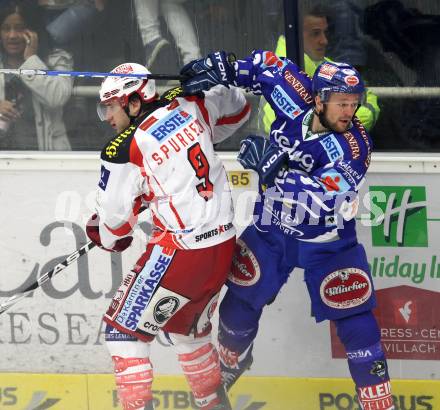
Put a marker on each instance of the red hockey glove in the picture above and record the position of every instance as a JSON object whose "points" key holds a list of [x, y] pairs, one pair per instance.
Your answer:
{"points": [[92, 230]]}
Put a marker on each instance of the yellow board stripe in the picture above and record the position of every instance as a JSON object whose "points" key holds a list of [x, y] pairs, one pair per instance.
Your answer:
{"points": [[19, 391]]}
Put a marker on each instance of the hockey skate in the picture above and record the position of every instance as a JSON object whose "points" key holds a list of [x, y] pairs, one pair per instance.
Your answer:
{"points": [[230, 375], [224, 400]]}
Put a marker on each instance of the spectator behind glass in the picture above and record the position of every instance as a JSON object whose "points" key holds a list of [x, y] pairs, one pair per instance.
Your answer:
{"points": [[315, 41], [157, 48], [66, 19], [31, 106], [348, 44], [414, 37]]}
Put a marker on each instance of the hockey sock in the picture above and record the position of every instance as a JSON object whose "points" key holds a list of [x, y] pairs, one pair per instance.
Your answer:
{"points": [[133, 371], [238, 327], [202, 371], [360, 336]]}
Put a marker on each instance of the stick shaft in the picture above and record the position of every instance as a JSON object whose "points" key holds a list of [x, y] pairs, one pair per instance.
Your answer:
{"points": [[46, 276], [92, 74]]}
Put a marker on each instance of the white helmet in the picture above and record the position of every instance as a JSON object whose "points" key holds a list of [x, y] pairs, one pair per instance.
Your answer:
{"points": [[121, 88]]}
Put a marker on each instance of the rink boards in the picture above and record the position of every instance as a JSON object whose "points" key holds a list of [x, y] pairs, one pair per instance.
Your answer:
{"points": [[97, 392]]}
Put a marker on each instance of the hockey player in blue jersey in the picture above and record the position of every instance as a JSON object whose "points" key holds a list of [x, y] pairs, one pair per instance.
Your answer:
{"points": [[312, 169]]}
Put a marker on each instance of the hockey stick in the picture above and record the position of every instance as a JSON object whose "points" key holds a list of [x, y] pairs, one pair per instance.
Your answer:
{"points": [[46, 276], [93, 74]]}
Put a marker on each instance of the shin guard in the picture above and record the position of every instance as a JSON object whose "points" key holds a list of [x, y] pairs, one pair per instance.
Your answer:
{"points": [[133, 370], [200, 364]]}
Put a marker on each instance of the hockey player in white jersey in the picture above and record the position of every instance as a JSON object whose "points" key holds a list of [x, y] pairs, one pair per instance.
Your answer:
{"points": [[163, 158]]}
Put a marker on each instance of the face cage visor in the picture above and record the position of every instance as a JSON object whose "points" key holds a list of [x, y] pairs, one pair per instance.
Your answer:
{"points": [[325, 93], [108, 108]]}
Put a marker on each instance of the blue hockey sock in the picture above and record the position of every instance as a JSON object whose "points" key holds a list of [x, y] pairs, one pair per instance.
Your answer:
{"points": [[238, 323], [360, 336], [238, 326]]}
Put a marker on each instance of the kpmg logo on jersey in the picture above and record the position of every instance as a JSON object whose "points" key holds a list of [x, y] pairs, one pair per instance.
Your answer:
{"points": [[400, 216], [285, 103], [172, 122], [332, 147]]}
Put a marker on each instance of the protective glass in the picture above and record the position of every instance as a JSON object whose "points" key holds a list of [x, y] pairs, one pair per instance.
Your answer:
{"points": [[108, 108]]}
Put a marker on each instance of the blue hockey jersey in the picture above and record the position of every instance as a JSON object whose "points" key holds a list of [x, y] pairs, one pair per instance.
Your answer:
{"points": [[316, 199]]}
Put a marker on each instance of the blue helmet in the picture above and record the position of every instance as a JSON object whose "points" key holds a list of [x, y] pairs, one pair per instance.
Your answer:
{"points": [[331, 77]]}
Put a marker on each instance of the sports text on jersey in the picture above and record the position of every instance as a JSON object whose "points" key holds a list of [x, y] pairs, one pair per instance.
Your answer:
{"points": [[169, 124], [285, 103], [180, 140], [214, 232]]}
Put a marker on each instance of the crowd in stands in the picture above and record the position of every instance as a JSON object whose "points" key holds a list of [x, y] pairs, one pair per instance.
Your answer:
{"points": [[390, 42]]}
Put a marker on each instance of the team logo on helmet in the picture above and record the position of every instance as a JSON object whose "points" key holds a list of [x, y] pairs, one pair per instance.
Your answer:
{"points": [[351, 80], [124, 69], [327, 71], [123, 87]]}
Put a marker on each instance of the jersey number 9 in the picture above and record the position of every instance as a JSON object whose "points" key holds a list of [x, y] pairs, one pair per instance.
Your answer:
{"points": [[200, 164]]}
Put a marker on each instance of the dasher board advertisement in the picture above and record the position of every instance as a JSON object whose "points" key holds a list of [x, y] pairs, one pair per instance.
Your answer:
{"points": [[58, 328]]}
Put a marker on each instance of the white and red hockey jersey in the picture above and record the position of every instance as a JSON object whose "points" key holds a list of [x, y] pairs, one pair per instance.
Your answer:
{"points": [[168, 161]]}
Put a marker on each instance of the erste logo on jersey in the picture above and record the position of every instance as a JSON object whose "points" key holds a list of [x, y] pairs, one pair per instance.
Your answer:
{"points": [[346, 288], [332, 147], [172, 122], [285, 103]]}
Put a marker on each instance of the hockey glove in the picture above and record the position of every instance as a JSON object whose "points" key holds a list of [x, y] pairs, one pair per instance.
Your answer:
{"points": [[259, 154], [92, 230], [205, 73]]}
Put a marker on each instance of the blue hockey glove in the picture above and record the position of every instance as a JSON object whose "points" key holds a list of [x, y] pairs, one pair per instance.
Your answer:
{"points": [[207, 72], [259, 154]]}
